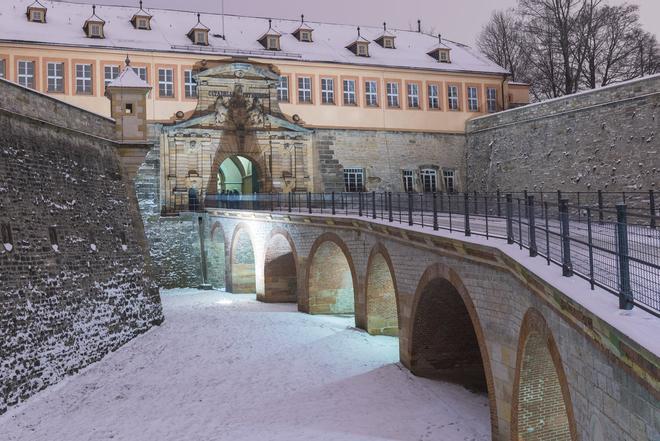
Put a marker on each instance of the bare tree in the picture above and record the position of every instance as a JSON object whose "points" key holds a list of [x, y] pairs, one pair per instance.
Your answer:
{"points": [[502, 41]]}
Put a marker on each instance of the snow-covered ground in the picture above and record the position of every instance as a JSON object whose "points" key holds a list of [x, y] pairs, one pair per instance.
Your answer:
{"points": [[226, 367]]}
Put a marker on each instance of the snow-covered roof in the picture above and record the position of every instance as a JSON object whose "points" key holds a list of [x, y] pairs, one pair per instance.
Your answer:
{"points": [[169, 29], [128, 78]]}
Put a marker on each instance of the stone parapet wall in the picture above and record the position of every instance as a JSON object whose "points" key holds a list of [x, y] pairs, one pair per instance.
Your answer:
{"points": [[23, 101], [74, 275], [606, 139]]}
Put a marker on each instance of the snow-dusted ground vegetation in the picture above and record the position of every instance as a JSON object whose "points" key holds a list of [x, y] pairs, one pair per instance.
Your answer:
{"points": [[225, 367]]}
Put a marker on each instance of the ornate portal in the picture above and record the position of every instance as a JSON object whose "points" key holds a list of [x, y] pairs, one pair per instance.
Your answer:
{"points": [[237, 140]]}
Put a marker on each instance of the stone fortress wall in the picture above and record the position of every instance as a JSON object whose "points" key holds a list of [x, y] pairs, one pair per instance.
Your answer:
{"points": [[74, 278], [607, 139]]}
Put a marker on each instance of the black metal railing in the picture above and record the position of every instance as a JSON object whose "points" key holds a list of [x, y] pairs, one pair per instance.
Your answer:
{"points": [[608, 244]]}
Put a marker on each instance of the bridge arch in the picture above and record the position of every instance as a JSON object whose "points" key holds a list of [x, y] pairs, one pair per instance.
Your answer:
{"points": [[331, 278], [541, 405], [447, 341], [382, 297], [280, 268], [242, 261], [216, 259]]}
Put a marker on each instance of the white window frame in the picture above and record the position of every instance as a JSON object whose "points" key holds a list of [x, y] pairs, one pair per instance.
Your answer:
{"points": [[305, 90], [449, 180], [189, 84], [141, 72], [388, 43], [353, 179], [434, 96], [305, 36], [371, 93], [362, 50], [473, 98], [23, 76], [429, 180], [166, 82], [95, 29], [112, 70], [55, 77], [272, 42], [84, 85], [408, 181], [350, 94], [3, 68], [413, 96], [142, 23], [327, 91], [392, 89], [201, 37], [452, 97], [491, 99], [36, 15], [283, 89]]}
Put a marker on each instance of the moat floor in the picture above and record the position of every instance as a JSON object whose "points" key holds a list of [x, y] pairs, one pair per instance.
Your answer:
{"points": [[226, 367]]}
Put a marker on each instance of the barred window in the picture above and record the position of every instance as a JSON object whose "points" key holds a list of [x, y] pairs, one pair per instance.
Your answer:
{"points": [[305, 89], [283, 89], [110, 73], [354, 179], [452, 94], [449, 178], [473, 99], [166, 83], [84, 78], [429, 180], [371, 93], [392, 94], [434, 99], [55, 77], [26, 73], [413, 96], [408, 181], [327, 91], [190, 84]]}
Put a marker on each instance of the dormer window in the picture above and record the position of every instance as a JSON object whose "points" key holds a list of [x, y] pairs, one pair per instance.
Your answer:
{"points": [[271, 39], [304, 31], [386, 40], [93, 27], [141, 19], [359, 47], [36, 12], [199, 34], [441, 52], [443, 56]]}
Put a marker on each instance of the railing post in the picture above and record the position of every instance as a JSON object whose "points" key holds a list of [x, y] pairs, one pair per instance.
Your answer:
{"points": [[467, 214], [476, 205], [389, 200], [360, 204], [600, 206], [652, 208], [334, 211], [442, 204], [271, 201], [531, 227], [509, 218], [625, 293], [373, 205], [591, 248], [567, 265], [410, 208], [435, 211], [309, 202], [526, 201], [499, 206], [290, 201]]}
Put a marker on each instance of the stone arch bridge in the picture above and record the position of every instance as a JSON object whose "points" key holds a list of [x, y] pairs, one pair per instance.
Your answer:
{"points": [[465, 311]]}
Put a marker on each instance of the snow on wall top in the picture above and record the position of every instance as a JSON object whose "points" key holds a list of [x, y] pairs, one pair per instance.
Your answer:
{"points": [[170, 27]]}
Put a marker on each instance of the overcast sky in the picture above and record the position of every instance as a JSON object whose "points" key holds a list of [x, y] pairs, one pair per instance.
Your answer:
{"points": [[459, 20]]}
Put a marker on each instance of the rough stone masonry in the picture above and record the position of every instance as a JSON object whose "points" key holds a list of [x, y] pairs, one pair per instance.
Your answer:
{"points": [[74, 283]]}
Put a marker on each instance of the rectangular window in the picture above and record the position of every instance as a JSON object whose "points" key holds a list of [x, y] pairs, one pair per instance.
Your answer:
{"points": [[408, 181], [371, 93], [305, 89], [84, 79], [473, 99], [141, 72], [452, 94], [305, 36], [166, 83], [354, 179], [95, 30], [142, 23], [110, 73], [283, 89], [189, 84], [434, 98], [26, 74], [449, 178], [3, 68], [55, 76], [429, 180], [350, 98], [362, 50], [413, 96], [491, 99], [392, 94], [273, 43], [200, 37], [327, 91]]}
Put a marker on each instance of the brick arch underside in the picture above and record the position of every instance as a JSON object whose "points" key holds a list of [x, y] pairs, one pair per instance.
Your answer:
{"points": [[382, 311], [280, 271], [243, 276], [330, 283], [216, 257], [444, 341]]}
